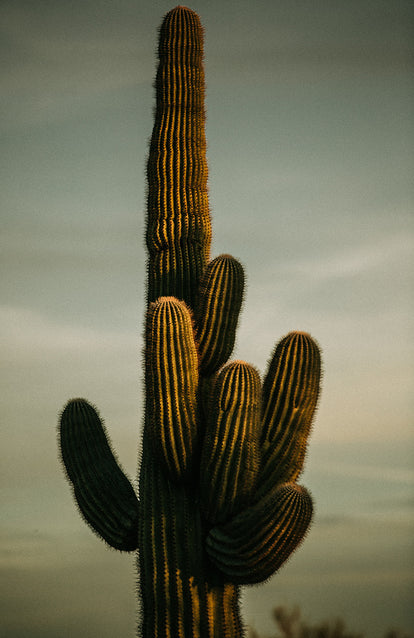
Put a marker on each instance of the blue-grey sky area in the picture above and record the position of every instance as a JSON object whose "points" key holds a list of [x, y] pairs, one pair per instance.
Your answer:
{"points": [[310, 149]]}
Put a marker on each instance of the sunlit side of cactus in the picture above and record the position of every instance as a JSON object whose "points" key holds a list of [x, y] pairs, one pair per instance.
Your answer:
{"points": [[218, 504]]}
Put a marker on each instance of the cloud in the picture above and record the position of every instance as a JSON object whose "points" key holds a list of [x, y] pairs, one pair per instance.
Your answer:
{"points": [[28, 333], [356, 260], [371, 473]]}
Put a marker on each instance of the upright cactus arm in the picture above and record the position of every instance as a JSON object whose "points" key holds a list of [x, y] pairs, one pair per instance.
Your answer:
{"points": [[290, 395], [178, 218], [105, 496], [216, 313], [171, 380], [230, 457]]}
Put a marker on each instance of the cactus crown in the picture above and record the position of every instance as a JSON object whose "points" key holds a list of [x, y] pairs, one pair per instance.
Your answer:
{"points": [[218, 503]]}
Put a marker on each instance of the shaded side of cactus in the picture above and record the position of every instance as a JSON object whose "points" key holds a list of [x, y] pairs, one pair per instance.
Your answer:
{"points": [[219, 505], [105, 496]]}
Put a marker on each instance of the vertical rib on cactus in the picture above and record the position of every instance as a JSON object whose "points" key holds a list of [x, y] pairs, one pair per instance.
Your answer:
{"points": [[219, 505], [178, 220]]}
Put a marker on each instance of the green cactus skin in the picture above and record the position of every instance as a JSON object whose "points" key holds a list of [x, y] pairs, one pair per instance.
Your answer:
{"points": [[219, 505]]}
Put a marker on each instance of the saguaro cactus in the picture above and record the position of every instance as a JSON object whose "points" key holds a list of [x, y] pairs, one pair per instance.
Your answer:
{"points": [[218, 503]]}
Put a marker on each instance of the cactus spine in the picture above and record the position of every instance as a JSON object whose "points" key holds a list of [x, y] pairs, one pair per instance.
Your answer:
{"points": [[218, 504]]}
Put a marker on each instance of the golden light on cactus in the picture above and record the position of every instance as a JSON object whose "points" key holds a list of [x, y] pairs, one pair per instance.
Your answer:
{"points": [[218, 503], [217, 310], [171, 368], [230, 458], [178, 218]]}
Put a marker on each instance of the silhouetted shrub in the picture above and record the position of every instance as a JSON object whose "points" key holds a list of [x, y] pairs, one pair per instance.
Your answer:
{"points": [[290, 625]]}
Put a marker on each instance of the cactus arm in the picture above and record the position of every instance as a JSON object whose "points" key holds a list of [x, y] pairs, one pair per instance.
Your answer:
{"points": [[217, 311], [105, 496], [290, 394], [255, 543], [172, 377], [230, 461], [178, 219]]}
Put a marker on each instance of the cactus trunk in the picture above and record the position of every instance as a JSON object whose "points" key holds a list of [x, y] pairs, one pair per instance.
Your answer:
{"points": [[219, 506], [182, 595]]}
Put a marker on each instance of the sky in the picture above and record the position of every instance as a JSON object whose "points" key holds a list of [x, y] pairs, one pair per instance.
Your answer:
{"points": [[310, 149]]}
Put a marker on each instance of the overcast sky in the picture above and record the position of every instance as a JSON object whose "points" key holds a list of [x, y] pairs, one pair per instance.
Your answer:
{"points": [[310, 149]]}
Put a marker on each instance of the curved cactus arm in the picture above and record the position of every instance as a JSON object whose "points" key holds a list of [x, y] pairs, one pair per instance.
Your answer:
{"points": [[289, 399], [105, 496], [255, 543], [230, 460], [178, 220], [217, 311], [171, 385]]}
